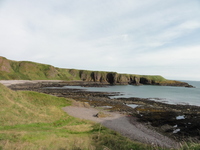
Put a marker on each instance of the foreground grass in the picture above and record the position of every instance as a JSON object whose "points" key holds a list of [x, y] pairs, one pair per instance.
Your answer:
{"points": [[35, 121], [31, 120]]}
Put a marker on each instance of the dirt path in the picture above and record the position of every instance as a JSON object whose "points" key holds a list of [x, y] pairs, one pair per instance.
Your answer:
{"points": [[127, 126]]}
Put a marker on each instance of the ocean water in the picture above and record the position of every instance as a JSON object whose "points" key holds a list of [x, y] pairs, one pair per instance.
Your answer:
{"points": [[165, 94]]}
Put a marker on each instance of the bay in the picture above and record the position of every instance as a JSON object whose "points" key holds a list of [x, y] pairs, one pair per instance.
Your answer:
{"points": [[165, 94]]}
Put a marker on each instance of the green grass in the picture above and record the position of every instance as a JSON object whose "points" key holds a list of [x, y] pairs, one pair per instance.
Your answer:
{"points": [[26, 70], [155, 78], [29, 107], [191, 146], [32, 121], [112, 140]]}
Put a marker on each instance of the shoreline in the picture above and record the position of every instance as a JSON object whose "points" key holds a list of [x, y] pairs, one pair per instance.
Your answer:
{"points": [[178, 122], [123, 124]]}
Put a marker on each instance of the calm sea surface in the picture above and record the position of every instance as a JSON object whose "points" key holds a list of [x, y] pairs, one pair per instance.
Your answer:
{"points": [[166, 94]]}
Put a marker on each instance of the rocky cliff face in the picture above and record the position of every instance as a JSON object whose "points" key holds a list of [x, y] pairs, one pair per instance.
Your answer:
{"points": [[104, 77], [124, 79], [34, 71], [5, 65]]}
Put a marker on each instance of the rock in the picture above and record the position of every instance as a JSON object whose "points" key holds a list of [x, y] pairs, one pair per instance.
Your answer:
{"points": [[102, 115], [135, 81], [145, 81], [74, 72], [189, 86], [5, 65], [51, 72]]}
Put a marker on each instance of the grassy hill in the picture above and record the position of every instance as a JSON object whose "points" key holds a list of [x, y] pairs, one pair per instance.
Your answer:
{"points": [[31, 120], [31, 71], [35, 71], [25, 70]]}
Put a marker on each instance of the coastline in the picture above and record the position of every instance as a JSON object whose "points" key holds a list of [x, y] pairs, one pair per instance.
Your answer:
{"points": [[123, 124], [156, 116]]}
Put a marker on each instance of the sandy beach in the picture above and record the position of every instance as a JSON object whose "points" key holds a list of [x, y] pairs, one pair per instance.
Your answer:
{"points": [[13, 82]]}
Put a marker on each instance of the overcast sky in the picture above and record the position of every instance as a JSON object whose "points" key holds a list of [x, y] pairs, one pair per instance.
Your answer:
{"points": [[151, 37]]}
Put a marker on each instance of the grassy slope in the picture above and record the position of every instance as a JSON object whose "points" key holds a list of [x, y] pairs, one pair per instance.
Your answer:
{"points": [[31, 71], [31, 120], [35, 71], [25, 70]]}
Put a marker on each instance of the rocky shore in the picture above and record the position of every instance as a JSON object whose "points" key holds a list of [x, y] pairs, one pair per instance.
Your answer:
{"points": [[180, 122]]}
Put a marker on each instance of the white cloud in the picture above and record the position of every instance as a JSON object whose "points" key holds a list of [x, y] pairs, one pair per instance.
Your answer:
{"points": [[103, 35], [177, 56]]}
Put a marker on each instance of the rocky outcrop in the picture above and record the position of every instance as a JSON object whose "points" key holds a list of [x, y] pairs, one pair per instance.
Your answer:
{"points": [[144, 80], [74, 72], [135, 80], [5, 65], [51, 72], [124, 79]]}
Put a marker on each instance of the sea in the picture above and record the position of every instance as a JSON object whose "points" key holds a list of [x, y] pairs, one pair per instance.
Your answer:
{"points": [[165, 94]]}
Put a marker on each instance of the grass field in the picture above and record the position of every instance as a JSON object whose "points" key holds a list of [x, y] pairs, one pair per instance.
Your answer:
{"points": [[35, 121], [31, 120]]}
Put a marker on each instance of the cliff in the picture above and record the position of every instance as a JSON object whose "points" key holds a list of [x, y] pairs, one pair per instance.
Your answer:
{"points": [[25, 70]]}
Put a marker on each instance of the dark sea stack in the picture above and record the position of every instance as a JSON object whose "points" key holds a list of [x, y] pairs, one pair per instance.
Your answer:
{"points": [[135, 80], [111, 78], [145, 81], [97, 77]]}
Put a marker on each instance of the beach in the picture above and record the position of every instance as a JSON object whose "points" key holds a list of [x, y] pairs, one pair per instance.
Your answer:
{"points": [[125, 125]]}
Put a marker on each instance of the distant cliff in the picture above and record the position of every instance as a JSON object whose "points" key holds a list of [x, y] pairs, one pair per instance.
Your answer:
{"points": [[25, 70]]}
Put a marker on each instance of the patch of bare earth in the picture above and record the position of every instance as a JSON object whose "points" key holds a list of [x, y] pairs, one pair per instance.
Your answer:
{"points": [[13, 82], [125, 125]]}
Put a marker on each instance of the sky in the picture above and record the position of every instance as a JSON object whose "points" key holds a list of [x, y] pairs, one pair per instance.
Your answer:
{"points": [[147, 37]]}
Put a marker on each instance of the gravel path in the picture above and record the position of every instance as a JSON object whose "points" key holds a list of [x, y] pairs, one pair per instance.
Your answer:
{"points": [[126, 125]]}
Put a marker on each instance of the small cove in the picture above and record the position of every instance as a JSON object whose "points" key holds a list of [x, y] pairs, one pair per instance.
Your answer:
{"points": [[166, 94]]}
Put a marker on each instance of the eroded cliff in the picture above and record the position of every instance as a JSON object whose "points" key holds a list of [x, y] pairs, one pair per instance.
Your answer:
{"points": [[25, 70]]}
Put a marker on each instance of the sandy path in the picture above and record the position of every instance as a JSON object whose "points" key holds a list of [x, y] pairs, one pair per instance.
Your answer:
{"points": [[11, 82], [127, 126]]}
